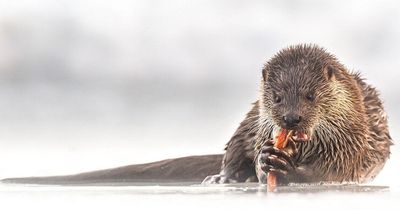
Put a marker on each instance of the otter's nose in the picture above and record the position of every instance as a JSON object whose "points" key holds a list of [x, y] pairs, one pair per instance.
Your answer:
{"points": [[291, 120]]}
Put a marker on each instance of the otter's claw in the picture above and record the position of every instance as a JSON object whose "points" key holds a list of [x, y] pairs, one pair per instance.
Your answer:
{"points": [[276, 157], [272, 159]]}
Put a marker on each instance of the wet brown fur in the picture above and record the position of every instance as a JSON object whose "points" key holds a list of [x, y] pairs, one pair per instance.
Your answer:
{"points": [[350, 137]]}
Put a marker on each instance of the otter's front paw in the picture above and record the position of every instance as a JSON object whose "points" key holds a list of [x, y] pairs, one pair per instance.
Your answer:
{"points": [[280, 162], [217, 179], [214, 179]]}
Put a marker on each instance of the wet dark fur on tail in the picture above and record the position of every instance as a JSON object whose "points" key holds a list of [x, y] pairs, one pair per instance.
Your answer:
{"points": [[192, 169]]}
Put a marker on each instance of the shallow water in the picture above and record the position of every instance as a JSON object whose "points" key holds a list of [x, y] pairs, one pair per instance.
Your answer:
{"points": [[15, 196]]}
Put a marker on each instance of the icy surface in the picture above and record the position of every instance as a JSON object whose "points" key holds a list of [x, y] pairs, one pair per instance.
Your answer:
{"points": [[198, 197]]}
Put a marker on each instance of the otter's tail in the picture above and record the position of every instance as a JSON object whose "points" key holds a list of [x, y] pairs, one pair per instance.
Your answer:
{"points": [[191, 169]]}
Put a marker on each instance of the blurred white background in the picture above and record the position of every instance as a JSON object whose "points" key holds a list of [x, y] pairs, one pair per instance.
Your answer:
{"points": [[88, 85]]}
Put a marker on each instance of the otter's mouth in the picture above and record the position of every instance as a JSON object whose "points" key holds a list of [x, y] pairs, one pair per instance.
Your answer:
{"points": [[296, 135], [300, 136]]}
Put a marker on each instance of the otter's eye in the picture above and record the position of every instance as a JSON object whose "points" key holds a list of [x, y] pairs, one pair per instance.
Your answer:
{"points": [[277, 99], [310, 96]]}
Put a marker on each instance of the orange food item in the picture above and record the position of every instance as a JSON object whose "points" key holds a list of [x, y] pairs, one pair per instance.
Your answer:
{"points": [[280, 143], [282, 138]]}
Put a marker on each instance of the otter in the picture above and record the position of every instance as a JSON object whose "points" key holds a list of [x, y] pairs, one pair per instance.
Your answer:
{"points": [[339, 123]]}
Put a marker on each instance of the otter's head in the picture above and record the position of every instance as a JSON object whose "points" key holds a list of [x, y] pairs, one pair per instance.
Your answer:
{"points": [[296, 88]]}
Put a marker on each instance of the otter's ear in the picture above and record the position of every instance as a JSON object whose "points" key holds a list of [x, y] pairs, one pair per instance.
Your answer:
{"points": [[330, 72], [264, 74]]}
